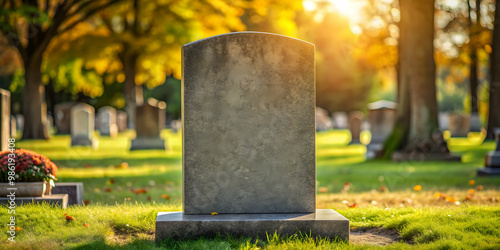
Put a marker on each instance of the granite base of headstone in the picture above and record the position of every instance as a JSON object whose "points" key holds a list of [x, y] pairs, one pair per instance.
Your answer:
{"points": [[59, 200], [249, 141], [74, 190], [492, 159]]}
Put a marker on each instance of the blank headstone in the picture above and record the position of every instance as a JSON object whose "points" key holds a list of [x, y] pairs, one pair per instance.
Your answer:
{"points": [[249, 140], [13, 126], [355, 123], [444, 121], [381, 116], [4, 119], [82, 125], [459, 124], [340, 120], [323, 121], [63, 117], [106, 120], [147, 127], [121, 121]]}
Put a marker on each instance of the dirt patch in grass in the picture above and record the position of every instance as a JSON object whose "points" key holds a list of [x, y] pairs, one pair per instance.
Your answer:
{"points": [[373, 236], [121, 239]]}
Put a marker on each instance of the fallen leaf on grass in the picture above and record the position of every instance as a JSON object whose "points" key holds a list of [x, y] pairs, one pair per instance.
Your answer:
{"points": [[139, 191], [69, 218], [479, 188], [383, 189], [451, 199], [214, 213], [355, 205], [18, 229], [86, 202], [108, 190], [122, 165], [417, 188], [166, 197], [88, 165], [86, 225], [471, 191], [472, 182], [323, 189], [110, 181]]}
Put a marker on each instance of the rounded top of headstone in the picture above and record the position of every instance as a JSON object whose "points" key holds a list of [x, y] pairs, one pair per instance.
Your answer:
{"points": [[156, 103], [382, 104], [4, 92], [245, 34]]}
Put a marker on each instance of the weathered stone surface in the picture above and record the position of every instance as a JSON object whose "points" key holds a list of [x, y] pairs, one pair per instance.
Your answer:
{"points": [[60, 200], [323, 222], [82, 125], [444, 120], [4, 119], [248, 124], [148, 128], [106, 121], [74, 190], [355, 122], [63, 117]]}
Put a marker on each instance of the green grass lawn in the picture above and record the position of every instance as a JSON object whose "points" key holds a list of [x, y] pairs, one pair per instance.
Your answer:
{"points": [[119, 217]]}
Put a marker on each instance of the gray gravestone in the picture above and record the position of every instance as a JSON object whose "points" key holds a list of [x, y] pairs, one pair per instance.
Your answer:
{"points": [[381, 116], [73, 189], [13, 127], [20, 122], [82, 125], [340, 120], [106, 118], [323, 121], [459, 125], [492, 159], [444, 121], [63, 117], [249, 140], [4, 119], [121, 121], [147, 128], [355, 123]]}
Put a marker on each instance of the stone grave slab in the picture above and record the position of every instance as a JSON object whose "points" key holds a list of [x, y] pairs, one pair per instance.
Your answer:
{"points": [[63, 117], [492, 159], [355, 124], [148, 127], [60, 200], [74, 190], [106, 121], [249, 140]]}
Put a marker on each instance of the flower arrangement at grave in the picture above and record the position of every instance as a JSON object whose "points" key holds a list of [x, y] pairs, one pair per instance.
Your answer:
{"points": [[30, 167]]}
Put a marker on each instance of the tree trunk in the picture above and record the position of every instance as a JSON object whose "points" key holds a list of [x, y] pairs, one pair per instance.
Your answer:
{"points": [[133, 93], [494, 109], [34, 106], [473, 45], [419, 71]]}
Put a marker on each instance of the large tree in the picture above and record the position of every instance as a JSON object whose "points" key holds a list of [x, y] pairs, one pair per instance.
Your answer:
{"points": [[30, 26], [416, 131], [494, 110]]}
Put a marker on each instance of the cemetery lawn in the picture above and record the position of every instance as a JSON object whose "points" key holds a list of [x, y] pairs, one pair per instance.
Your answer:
{"points": [[125, 190]]}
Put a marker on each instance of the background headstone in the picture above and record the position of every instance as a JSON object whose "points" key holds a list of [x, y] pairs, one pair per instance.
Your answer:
{"points": [[176, 125], [147, 127], [82, 125], [492, 159], [355, 123], [459, 124], [121, 121], [340, 120], [444, 121], [248, 125], [20, 122], [382, 116], [323, 121], [13, 126], [4, 119], [106, 120], [63, 117]]}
